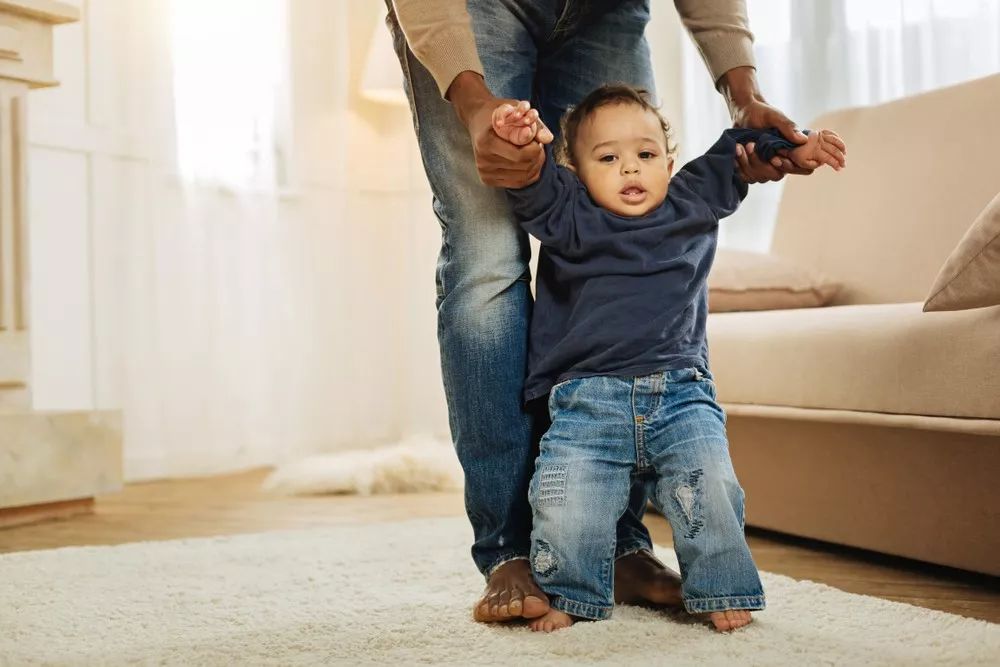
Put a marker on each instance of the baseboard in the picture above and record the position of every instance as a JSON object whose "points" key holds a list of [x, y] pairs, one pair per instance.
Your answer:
{"points": [[19, 516], [51, 457]]}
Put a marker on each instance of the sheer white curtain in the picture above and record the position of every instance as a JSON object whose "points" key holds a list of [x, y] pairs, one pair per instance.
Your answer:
{"points": [[279, 279], [818, 55], [205, 386]]}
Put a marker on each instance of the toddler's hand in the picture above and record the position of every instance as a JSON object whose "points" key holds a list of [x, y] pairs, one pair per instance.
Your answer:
{"points": [[519, 125], [823, 147]]}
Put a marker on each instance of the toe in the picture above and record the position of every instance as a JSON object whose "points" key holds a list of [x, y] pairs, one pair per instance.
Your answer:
{"points": [[534, 606], [720, 620], [503, 608], [481, 611]]}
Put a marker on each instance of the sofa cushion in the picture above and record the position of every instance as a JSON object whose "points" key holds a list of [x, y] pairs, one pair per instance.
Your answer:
{"points": [[754, 281], [970, 277], [889, 358], [884, 226]]}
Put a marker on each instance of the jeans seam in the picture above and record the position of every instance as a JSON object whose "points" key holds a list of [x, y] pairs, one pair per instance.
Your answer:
{"points": [[633, 549], [722, 603], [582, 609]]}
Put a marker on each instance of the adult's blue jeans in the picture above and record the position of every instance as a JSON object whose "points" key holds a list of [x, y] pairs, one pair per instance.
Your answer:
{"points": [[551, 52], [603, 429]]}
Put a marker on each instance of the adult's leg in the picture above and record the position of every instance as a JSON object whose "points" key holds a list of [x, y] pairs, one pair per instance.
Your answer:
{"points": [[584, 52], [484, 305]]}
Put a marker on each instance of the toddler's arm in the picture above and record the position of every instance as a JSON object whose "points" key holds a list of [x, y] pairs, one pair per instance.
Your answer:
{"points": [[546, 208]]}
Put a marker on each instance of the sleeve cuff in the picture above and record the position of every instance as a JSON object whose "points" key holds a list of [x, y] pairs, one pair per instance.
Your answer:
{"points": [[445, 64], [724, 51]]}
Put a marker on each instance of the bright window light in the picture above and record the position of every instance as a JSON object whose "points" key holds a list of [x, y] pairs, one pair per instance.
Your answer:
{"points": [[230, 82]]}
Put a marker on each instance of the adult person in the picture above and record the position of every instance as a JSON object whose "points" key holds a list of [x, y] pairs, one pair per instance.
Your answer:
{"points": [[461, 59]]}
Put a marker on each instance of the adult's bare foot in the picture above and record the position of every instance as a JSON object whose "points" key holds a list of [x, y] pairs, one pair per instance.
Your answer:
{"points": [[510, 593], [642, 579]]}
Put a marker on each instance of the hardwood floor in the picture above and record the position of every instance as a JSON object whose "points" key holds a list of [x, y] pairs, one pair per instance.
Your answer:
{"points": [[235, 504]]}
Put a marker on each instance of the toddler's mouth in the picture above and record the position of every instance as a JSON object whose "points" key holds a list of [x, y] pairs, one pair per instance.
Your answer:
{"points": [[632, 194]]}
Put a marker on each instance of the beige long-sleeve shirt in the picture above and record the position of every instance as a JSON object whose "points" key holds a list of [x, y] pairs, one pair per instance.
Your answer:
{"points": [[439, 32]]}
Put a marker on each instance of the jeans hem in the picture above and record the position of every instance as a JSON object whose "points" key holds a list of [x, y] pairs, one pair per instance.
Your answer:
{"points": [[623, 550], [744, 602], [506, 558], [590, 612]]}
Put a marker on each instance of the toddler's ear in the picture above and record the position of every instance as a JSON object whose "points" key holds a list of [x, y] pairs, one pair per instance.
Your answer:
{"points": [[572, 167], [670, 168]]}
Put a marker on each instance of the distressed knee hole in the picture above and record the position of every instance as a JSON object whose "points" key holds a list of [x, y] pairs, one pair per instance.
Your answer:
{"points": [[687, 495], [544, 562]]}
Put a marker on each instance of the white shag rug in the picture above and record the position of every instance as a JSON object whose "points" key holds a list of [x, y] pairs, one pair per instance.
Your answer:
{"points": [[417, 464], [401, 593]]}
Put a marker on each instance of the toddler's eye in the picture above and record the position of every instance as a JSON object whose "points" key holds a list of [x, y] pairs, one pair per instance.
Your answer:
{"points": [[646, 155], [607, 158]]}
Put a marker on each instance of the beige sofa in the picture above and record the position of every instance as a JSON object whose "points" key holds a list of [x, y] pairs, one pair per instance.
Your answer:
{"points": [[869, 422]]}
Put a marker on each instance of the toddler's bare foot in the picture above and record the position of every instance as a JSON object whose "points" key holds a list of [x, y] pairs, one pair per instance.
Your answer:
{"points": [[518, 125], [510, 593], [642, 579], [730, 619], [553, 620]]}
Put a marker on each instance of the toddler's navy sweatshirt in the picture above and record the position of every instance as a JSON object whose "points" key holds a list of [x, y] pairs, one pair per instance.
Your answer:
{"points": [[627, 296]]}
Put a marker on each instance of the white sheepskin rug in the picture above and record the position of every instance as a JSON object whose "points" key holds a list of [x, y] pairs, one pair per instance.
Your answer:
{"points": [[417, 464], [401, 594]]}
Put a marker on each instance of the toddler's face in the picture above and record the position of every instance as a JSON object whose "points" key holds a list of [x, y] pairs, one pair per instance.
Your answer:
{"points": [[621, 156]]}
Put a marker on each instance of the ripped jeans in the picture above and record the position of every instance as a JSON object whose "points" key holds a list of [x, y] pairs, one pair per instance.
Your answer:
{"points": [[605, 432]]}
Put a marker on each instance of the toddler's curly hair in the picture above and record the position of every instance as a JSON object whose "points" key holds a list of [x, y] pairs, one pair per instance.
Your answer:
{"points": [[610, 93]]}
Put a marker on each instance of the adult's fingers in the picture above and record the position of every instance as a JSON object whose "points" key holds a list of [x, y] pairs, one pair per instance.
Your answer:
{"points": [[510, 175], [743, 165], [787, 128], [764, 170], [494, 150]]}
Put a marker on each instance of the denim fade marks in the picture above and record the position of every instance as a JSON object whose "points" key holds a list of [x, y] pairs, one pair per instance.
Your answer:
{"points": [[601, 427]]}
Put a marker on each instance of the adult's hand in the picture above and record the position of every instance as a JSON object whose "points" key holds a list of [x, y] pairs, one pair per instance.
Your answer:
{"points": [[499, 162], [748, 108]]}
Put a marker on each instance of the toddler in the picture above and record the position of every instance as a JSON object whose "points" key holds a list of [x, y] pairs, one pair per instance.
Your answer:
{"points": [[618, 343]]}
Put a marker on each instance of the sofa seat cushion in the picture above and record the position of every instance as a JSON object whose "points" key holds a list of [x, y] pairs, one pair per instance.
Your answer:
{"points": [[890, 358]]}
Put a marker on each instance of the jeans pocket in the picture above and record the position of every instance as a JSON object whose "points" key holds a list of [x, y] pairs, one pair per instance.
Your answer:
{"points": [[704, 378]]}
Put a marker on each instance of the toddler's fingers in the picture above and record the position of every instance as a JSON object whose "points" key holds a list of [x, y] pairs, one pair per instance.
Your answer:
{"points": [[831, 153], [522, 108], [501, 114], [837, 141], [827, 158], [544, 135]]}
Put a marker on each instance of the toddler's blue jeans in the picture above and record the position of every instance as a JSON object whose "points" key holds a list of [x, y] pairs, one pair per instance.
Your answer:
{"points": [[605, 430]]}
